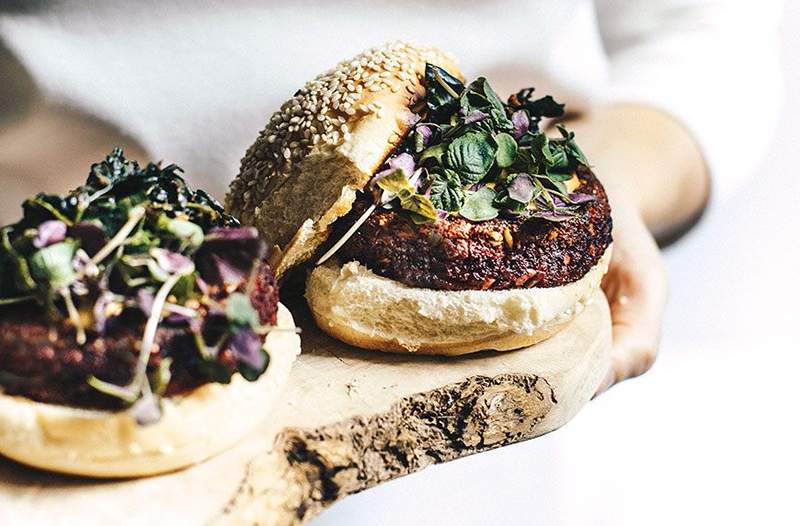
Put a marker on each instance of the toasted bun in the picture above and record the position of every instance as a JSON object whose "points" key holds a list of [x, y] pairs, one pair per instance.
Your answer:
{"points": [[356, 306], [193, 427], [325, 143]]}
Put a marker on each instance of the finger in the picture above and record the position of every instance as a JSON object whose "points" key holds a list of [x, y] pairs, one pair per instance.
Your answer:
{"points": [[634, 349], [637, 305], [609, 380]]}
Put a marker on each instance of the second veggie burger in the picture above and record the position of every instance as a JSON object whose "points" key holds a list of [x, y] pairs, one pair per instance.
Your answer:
{"points": [[440, 219]]}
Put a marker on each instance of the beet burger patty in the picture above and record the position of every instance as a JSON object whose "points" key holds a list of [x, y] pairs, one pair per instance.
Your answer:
{"points": [[454, 253], [140, 329]]}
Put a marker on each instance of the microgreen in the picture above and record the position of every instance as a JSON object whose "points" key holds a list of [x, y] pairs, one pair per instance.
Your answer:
{"points": [[467, 138], [479, 206], [471, 155], [419, 206], [137, 243]]}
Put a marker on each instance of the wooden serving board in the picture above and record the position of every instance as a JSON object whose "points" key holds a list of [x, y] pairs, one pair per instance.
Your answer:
{"points": [[349, 420]]}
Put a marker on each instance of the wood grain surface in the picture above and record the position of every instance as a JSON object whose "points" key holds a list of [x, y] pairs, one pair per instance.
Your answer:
{"points": [[349, 420]]}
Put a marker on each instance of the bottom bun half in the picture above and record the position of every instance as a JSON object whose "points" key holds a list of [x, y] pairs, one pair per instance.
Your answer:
{"points": [[194, 426], [360, 308]]}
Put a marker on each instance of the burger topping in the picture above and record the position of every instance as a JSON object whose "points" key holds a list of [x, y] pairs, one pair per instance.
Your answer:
{"points": [[472, 156], [478, 157], [131, 287]]}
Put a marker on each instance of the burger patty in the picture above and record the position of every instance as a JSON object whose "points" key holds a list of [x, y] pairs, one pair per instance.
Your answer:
{"points": [[498, 254], [42, 361]]}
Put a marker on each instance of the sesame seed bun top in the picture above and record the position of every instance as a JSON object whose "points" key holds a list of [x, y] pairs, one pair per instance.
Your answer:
{"points": [[325, 143]]}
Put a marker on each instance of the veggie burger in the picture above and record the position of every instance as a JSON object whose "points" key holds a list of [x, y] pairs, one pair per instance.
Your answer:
{"points": [[140, 329], [436, 217]]}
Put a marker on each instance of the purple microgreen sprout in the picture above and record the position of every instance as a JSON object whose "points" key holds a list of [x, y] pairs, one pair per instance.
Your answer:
{"points": [[553, 215], [83, 265], [473, 116], [180, 310], [247, 348], [144, 300], [50, 232], [347, 235], [423, 136], [521, 123], [400, 163], [580, 198], [171, 262], [225, 261], [124, 393], [139, 387], [140, 383], [521, 188]]}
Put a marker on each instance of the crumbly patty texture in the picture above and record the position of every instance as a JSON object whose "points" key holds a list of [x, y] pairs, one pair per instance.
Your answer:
{"points": [[42, 361], [502, 253]]}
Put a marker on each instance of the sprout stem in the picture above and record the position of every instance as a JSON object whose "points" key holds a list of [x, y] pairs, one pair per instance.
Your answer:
{"points": [[18, 299], [135, 215], [151, 326], [74, 316], [347, 235]]}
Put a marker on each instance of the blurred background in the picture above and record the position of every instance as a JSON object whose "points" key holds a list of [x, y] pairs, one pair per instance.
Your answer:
{"points": [[709, 435]]}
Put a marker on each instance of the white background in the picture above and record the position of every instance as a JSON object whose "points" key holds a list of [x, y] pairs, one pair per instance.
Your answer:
{"points": [[711, 434]]}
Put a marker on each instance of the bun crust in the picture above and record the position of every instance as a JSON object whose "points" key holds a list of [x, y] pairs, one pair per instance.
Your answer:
{"points": [[354, 305], [193, 428], [325, 143]]}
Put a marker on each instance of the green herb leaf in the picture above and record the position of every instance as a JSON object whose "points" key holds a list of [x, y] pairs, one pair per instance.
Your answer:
{"points": [[186, 231], [20, 271], [394, 182], [479, 206], [471, 155], [437, 151], [479, 95], [53, 264], [506, 150], [571, 146], [446, 193], [421, 208], [239, 310], [441, 92]]}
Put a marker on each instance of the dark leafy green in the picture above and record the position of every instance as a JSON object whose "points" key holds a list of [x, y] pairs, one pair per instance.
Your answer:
{"points": [[471, 156], [469, 138], [139, 243], [442, 92], [479, 206], [447, 193], [506, 150]]}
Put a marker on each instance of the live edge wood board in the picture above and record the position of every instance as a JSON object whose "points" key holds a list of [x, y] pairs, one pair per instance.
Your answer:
{"points": [[349, 420]]}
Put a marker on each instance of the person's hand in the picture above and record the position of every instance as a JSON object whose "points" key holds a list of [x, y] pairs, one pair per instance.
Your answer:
{"points": [[657, 181], [636, 288]]}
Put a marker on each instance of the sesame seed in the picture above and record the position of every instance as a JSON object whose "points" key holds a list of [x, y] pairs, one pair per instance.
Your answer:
{"points": [[321, 113]]}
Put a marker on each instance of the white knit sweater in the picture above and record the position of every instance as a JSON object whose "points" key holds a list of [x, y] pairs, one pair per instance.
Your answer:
{"points": [[195, 83]]}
